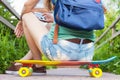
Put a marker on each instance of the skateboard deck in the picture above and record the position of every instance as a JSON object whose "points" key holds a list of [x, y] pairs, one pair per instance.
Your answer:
{"points": [[64, 63], [94, 71]]}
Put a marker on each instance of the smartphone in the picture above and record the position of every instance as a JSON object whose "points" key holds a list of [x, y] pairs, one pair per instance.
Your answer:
{"points": [[39, 16]]}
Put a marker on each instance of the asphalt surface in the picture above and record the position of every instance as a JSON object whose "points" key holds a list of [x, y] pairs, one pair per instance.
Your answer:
{"points": [[61, 74]]}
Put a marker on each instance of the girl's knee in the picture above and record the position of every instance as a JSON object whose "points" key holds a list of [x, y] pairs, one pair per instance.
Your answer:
{"points": [[26, 15]]}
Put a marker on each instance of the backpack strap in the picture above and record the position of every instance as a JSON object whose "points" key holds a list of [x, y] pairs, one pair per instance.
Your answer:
{"points": [[53, 1], [55, 37]]}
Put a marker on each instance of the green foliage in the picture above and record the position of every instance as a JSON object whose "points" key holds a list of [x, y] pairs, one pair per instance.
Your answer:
{"points": [[11, 48], [7, 15], [111, 48]]}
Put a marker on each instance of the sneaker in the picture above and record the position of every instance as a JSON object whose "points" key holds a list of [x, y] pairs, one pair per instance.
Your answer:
{"points": [[13, 69], [39, 69]]}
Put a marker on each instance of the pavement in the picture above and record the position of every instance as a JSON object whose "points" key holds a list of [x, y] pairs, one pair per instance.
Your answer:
{"points": [[61, 74]]}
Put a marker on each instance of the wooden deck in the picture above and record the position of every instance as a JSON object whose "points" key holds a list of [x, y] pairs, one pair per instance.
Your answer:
{"points": [[61, 74]]}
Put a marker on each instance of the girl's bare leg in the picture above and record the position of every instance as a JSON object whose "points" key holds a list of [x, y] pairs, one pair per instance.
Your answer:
{"points": [[34, 49], [34, 30], [28, 56]]}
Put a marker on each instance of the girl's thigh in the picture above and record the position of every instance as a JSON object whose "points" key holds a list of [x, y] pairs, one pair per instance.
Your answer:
{"points": [[35, 27]]}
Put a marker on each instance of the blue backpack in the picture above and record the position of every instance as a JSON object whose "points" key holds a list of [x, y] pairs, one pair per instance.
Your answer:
{"points": [[79, 14]]}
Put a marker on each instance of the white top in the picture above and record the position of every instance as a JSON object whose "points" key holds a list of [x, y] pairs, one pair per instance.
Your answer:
{"points": [[18, 5], [40, 4]]}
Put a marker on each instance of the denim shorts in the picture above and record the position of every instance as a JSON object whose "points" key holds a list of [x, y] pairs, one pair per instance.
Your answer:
{"points": [[65, 50]]}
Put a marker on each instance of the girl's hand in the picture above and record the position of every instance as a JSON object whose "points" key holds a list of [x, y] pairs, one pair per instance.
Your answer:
{"points": [[48, 17], [19, 29]]}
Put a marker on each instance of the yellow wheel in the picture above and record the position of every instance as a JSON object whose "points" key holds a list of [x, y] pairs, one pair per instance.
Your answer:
{"points": [[96, 72], [24, 71], [90, 72]]}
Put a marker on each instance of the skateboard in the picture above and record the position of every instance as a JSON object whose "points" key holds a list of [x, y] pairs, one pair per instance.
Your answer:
{"points": [[93, 66]]}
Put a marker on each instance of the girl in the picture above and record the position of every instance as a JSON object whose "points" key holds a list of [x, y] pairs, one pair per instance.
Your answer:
{"points": [[35, 6]]}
